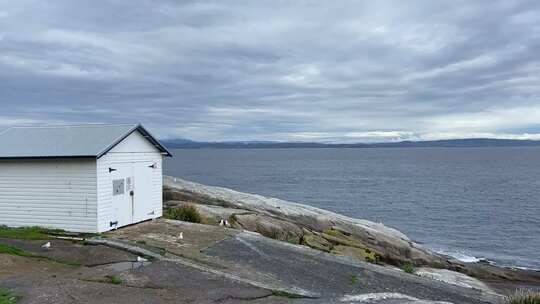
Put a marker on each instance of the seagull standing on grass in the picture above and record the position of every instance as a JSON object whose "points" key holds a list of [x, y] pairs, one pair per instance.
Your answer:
{"points": [[46, 245]]}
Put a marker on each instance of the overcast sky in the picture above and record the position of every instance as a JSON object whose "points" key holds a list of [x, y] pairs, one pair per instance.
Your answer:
{"points": [[333, 71]]}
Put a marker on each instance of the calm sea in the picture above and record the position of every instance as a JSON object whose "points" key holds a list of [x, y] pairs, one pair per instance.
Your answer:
{"points": [[467, 202]]}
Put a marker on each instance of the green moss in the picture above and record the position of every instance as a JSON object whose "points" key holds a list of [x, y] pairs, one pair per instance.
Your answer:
{"points": [[336, 233], [339, 238], [408, 268], [232, 220], [371, 256], [359, 253], [524, 296], [285, 294], [8, 297], [186, 213], [354, 279], [28, 233], [316, 242]]}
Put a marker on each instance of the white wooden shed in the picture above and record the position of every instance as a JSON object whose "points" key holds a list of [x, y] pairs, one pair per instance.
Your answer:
{"points": [[85, 178]]}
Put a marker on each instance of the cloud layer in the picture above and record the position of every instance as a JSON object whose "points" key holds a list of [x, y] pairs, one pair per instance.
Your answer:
{"points": [[347, 71]]}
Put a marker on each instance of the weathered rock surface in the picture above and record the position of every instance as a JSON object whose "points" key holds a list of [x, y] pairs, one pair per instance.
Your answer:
{"points": [[268, 226], [286, 269], [327, 231], [453, 278], [284, 220]]}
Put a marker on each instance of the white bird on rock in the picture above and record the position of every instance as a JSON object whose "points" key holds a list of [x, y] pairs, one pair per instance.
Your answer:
{"points": [[46, 245], [181, 236], [141, 260]]}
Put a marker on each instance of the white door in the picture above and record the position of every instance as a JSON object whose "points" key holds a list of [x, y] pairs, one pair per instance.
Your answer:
{"points": [[121, 179], [143, 190]]}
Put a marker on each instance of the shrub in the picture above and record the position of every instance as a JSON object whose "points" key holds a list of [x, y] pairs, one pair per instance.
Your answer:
{"points": [[186, 213], [524, 296], [408, 268], [7, 297]]}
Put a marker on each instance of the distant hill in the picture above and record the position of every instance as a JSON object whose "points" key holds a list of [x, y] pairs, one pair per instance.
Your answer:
{"points": [[470, 142]]}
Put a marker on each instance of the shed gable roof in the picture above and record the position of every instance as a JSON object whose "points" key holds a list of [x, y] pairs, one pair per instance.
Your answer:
{"points": [[90, 140]]}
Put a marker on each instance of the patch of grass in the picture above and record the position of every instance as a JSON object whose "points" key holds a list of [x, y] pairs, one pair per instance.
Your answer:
{"points": [[371, 256], [524, 296], [408, 268], [108, 279], [28, 233], [354, 279], [8, 297], [12, 250], [232, 220], [112, 279], [186, 213], [7, 249], [60, 261]]}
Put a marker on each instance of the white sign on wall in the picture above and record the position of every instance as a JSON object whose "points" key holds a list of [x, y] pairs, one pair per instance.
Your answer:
{"points": [[129, 184]]}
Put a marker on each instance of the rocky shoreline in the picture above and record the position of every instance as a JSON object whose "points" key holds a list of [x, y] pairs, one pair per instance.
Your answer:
{"points": [[330, 232], [245, 248]]}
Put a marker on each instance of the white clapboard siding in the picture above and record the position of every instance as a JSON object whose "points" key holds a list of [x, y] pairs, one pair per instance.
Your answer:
{"points": [[56, 193], [135, 148]]}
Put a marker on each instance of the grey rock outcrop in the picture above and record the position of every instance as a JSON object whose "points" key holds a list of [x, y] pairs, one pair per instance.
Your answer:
{"points": [[299, 223], [324, 230]]}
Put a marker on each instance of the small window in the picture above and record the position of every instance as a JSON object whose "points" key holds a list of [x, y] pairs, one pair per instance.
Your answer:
{"points": [[118, 186]]}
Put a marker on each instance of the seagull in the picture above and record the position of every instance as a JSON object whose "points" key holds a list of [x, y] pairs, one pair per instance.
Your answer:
{"points": [[141, 261], [224, 223], [46, 245], [181, 236]]}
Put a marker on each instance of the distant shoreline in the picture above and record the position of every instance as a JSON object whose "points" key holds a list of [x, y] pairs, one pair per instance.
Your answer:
{"points": [[451, 143]]}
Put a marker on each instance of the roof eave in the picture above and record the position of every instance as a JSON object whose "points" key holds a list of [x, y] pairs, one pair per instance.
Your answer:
{"points": [[164, 151]]}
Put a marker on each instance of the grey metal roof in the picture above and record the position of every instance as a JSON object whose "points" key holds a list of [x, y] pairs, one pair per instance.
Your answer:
{"points": [[90, 140]]}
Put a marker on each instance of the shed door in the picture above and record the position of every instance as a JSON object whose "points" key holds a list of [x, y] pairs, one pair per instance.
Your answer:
{"points": [[144, 190], [122, 201]]}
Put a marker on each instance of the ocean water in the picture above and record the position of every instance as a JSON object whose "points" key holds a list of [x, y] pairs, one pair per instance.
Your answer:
{"points": [[471, 203]]}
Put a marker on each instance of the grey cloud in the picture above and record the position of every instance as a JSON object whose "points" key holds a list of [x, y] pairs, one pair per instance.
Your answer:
{"points": [[280, 70]]}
